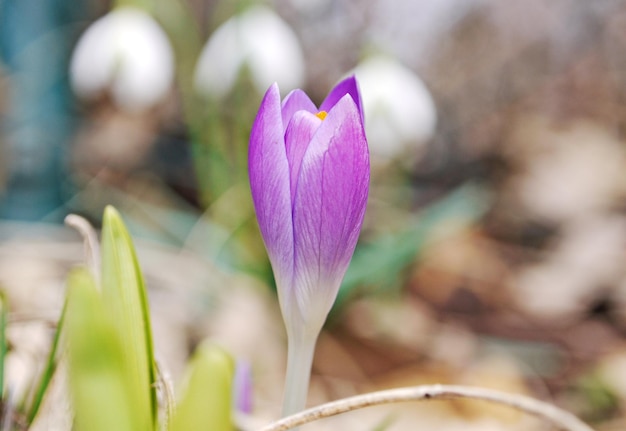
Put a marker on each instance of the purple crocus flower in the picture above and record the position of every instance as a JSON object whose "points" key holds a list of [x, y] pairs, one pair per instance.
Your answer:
{"points": [[309, 176]]}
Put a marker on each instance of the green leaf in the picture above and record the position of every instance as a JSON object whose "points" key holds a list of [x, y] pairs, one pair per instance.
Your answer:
{"points": [[48, 372], [125, 298], [206, 401], [97, 372]]}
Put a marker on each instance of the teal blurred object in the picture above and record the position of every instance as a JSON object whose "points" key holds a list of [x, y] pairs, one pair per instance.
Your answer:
{"points": [[36, 37]]}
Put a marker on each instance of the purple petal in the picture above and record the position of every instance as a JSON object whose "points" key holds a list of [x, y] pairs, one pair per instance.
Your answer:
{"points": [[296, 100], [329, 206], [269, 173], [300, 130], [242, 387], [347, 86]]}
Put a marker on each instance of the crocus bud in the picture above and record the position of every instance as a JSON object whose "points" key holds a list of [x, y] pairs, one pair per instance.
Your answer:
{"points": [[309, 177]]}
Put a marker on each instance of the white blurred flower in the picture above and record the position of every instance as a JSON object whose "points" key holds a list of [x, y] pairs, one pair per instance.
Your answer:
{"points": [[399, 110], [262, 41], [127, 53]]}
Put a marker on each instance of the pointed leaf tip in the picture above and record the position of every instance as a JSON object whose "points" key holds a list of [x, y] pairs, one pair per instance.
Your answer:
{"points": [[124, 295], [206, 401]]}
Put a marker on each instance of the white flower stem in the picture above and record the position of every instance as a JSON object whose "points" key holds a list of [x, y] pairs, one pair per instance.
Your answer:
{"points": [[562, 419], [299, 361]]}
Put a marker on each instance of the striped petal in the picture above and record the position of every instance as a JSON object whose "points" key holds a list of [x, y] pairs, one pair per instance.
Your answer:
{"points": [[296, 100], [269, 183], [328, 209], [299, 133], [347, 86]]}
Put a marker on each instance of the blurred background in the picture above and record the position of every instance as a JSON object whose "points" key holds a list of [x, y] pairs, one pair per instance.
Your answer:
{"points": [[494, 248]]}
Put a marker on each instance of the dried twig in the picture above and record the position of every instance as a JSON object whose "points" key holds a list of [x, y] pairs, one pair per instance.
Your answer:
{"points": [[558, 417], [90, 239]]}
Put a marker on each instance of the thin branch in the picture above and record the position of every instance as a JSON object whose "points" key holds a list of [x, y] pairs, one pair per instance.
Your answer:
{"points": [[558, 417]]}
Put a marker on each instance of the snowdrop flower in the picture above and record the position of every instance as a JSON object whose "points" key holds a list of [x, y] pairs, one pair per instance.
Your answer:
{"points": [[399, 108], [309, 176], [127, 53], [258, 39]]}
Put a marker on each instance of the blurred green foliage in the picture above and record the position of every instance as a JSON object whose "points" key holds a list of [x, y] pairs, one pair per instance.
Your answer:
{"points": [[379, 265], [206, 399], [102, 384], [112, 369]]}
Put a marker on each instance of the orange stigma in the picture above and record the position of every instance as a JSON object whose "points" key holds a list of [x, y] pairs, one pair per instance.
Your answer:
{"points": [[321, 115]]}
